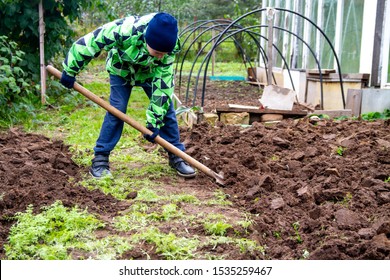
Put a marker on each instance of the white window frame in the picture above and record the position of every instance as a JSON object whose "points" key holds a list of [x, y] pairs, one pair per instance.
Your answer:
{"points": [[385, 48]]}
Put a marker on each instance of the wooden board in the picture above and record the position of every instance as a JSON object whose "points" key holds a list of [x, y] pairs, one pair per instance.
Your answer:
{"points": [[256, 113]]}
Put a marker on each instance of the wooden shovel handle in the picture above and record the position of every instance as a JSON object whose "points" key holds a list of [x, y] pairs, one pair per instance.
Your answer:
{"points": [[114, 111]]}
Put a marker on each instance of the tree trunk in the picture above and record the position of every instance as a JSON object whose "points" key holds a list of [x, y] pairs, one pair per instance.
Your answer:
{"points": [[42, 53]]}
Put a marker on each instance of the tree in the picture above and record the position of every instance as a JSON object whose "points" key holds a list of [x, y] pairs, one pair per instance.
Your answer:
{"points": [[19, 22]]}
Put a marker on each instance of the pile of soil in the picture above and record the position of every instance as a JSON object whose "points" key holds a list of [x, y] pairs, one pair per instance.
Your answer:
{"points": [[317, 190]]}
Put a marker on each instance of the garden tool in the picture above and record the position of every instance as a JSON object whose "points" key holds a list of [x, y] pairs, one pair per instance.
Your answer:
{"points": [[165, 144]]}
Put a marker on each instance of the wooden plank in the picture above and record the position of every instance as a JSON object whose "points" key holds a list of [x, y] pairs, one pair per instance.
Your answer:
{"points": [[261, 111], [354, 101], [315, 72], [238, 106]]}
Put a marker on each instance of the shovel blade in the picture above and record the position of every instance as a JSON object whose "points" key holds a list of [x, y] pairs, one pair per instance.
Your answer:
{"points": [[219, 178]]}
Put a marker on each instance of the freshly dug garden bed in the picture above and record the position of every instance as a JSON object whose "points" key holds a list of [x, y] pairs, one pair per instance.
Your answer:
{"points": [[317, 190]]}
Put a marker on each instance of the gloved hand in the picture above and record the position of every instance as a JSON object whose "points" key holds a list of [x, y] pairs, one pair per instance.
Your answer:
{"points": [[66, 80], [155, 131]]}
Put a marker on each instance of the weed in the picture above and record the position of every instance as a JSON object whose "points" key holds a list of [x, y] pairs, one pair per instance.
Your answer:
{"points": [[133, 221], [219, 199], [147, 194], [119, 188], [340, 151], [297, 235], [218, 227], [346, 200], [218, 240], [50, 234], [275, 158], [138, 217], [247, 245], [387, 180], [277, 234], [169, 245], [188, 198], [106, 248], [140, 207], [245, 223], [169, 211]]}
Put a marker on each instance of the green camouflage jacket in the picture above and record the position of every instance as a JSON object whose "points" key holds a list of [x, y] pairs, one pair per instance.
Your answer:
{"points": [[128, 58]]}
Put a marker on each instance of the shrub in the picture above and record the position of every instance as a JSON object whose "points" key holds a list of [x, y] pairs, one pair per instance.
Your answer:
{"points": [[18, 94]]}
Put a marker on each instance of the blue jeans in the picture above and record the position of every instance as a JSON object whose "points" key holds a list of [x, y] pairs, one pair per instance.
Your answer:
{"points": [[112, 127]]}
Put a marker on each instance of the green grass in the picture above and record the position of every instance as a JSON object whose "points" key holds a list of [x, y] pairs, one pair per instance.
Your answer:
{"points": [[220, 69], [57, 232], [169, 245]]}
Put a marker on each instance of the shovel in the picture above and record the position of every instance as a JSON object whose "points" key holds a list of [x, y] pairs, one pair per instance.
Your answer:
{"points": [[165, 144]]}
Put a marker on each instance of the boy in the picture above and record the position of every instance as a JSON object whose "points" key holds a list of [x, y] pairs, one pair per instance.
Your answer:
{"points": [[141, 52]]}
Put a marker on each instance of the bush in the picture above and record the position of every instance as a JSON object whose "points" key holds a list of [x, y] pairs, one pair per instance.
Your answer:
{"points": [[18, 94]]}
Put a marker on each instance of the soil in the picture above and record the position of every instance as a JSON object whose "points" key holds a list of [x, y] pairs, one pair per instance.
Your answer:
{"points": [[316, 189]]}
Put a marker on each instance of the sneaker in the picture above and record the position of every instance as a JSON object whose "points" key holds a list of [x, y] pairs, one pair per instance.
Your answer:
{"points": [[183, 169], [100, 167]]}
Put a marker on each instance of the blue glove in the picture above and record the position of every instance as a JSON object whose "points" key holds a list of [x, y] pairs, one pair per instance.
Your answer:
{"points": [[153, 136], [66, 80]]}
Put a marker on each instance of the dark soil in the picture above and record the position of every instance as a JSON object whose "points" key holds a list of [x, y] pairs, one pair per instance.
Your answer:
{"points": [[306, 193], [290, 173]]}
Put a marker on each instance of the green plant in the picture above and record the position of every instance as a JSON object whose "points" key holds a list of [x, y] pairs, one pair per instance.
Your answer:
{"points": [[220, 198], [51, 234], [169, 245], [298, 237], [20, 23], [216, 227], [340, 150], [133, 221], [17, 92], [169, 211], [376, 115], [247, 245], [246, 223], [275, 158], [118, 188], [347, 199], [277, 234], [387, 180], [188, 198]]}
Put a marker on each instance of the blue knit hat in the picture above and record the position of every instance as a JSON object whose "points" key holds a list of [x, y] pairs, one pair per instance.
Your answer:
{"points": [[161, 33]]}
